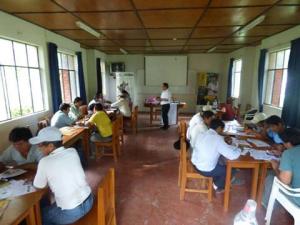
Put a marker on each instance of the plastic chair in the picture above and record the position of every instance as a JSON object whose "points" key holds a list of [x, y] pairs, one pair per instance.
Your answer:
{"points": [[281, 192], [249, 115]]}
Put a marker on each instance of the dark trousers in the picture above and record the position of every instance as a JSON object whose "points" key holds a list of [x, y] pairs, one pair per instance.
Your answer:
{"points": [[218, 174], [164, 113]]}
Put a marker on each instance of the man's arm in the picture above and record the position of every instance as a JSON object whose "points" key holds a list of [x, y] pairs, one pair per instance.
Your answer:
{"points": [[228, 151], [284, 176]]}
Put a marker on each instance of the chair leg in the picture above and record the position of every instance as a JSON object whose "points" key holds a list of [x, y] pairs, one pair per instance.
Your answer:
{"points": [[114, 150], [182, 188], [271, 204], [210, 189], [179, 174]]}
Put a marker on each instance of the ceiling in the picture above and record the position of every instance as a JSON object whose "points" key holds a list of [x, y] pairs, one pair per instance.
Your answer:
{"points": [[160, 26]]}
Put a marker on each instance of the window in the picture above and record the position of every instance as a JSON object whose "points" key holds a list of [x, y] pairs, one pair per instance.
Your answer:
{"points": [[104, 85], [21, 91], [69, 83], [236, 78], [276, 78]]}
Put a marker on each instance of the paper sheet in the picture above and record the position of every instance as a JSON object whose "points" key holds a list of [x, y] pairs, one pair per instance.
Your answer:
{"points": [[236, 142], [259, 155], [258, 143], [11, 173], [16, 188]]}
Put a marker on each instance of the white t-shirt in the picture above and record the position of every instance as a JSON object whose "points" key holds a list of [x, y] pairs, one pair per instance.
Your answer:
{"points": [[195, 131], [196, 119], [166, 94], [123, 105], [62, 171], [209, 146]]}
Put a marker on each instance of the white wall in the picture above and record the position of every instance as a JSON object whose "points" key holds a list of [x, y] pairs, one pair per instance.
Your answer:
{"points": [[196, 63], [16, 29]]}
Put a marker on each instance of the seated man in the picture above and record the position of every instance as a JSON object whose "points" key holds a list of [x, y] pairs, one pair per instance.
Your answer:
{"points": [[287, 171], [75, 113], [21, 151], [257, 125], [276, 126], [200, 127], [229, 110], [103, 124], [123, 105], [61, 117], [61, 170], [209, 146]]}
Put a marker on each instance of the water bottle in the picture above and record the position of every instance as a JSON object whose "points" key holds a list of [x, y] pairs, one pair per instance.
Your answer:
{"points": [[247, 215]]}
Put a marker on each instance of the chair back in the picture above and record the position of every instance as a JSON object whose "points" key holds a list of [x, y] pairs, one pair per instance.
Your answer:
{"points": [[134, 118], [42, 124], [182, 129], [249, 115], [183, 155], [120, 120], [83, 110]]}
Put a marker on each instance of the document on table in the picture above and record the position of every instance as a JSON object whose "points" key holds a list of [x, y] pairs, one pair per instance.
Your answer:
{"points": [[11, 173], [236, 141], [258, 143], [259, 155], [16, 188]]}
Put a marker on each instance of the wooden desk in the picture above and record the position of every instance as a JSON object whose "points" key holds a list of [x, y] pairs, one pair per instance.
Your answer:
{"points": [[152, 106], [73, 134]]}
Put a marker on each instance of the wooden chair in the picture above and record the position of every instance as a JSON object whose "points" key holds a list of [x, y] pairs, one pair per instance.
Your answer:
{"points": [[104, 208], [188, 172], [83, 110], [114, 144], [121, 127], [182, 134], [134, 118], [43, 123]]}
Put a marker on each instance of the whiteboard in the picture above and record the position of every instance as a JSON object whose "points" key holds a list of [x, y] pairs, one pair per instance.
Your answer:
{"points": [[170, 69]]}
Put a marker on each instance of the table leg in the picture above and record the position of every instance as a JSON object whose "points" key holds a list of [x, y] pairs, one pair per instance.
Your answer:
{"points": [[85, 143], [30, 219], [227, 187], [261, 184], [151, 114], [37, 212], [254, 181]]}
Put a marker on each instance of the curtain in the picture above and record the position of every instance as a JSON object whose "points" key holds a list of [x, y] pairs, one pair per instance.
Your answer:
{"points": [[291, 105], [54, 76], [261, 74], [99, 75], [81, 77], [229, 85]]}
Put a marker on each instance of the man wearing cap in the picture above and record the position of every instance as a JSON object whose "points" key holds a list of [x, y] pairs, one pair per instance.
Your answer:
{"points": [[61, 170], [257, 126]]}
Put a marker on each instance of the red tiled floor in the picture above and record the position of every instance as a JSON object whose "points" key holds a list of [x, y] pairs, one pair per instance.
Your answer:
{"points": [[147, 191]]}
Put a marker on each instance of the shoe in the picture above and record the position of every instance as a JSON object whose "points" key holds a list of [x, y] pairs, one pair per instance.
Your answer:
{"points": [[220, 190]]}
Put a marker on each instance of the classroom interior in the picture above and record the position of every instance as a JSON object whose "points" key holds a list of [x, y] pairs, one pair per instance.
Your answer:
{"points": [[211, 36]]}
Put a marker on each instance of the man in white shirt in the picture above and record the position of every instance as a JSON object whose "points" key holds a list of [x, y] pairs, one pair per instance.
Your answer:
{"points": [[61, 170], [200, 127], [61, 117], [21, 151], [123, 105], [208, 148], [165, 100]]}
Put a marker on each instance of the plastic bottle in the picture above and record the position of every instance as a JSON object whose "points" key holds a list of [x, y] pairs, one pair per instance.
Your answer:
{"points": [[247, 215]]}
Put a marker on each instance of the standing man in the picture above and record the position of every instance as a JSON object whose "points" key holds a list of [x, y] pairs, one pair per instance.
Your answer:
{"points": [[165, 99]]}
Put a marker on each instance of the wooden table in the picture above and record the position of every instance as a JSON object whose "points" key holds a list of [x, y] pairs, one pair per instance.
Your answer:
{"points": [[73, 134], [152, 106]]}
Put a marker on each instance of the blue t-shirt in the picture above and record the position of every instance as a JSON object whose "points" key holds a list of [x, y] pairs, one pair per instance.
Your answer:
{"points": [[290, 161], [275, 137]]}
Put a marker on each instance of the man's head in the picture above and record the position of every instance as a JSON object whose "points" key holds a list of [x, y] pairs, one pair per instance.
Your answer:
{"points": [[64, 107], [207, 116], [78, 102], [275, 123], [98, 107], [165, 86], [229, 100], [98, 97], [19, 137], [48, 139], [217, 125], [290, 137]]}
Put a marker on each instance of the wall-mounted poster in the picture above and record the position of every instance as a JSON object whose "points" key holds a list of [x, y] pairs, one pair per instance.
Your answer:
{"points": [[207, 88]]}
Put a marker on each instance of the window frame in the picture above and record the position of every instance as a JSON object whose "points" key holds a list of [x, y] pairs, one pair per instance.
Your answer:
{"points": [[75, 71], [28, 68], [233, 75], [267, 70]]}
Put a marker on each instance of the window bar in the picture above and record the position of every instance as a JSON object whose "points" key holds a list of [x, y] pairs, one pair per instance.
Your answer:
{"points": [[2, 77], [41, 83], [29, 78]]}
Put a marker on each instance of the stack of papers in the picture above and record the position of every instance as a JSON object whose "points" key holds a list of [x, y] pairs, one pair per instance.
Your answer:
{"points": [[258, 143], [259, 155], [16, 188], [11, 173], [237, 142]]}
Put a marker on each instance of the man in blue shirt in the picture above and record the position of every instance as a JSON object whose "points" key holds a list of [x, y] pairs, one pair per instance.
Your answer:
{"points": [[276, 126], [287, 171], [61, 117]]}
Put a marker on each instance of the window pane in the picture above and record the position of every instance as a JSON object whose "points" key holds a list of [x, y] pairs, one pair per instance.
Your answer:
{"points": [[286, 58], [272, 59], [12, 91], [283, 86], [37, 94], [24, 88], [20, 54], [71, 62], [66, 86], [279, 60], [238, 66], [277, 87], [73, 84], [32, 56], [4, 114], [6, 56], [237, 85], [59, 60], [64, 61], [269, 86]]}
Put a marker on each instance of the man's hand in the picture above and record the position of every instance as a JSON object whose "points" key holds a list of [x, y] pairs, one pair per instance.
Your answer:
{"points": [[275, 165], [228, 140]]}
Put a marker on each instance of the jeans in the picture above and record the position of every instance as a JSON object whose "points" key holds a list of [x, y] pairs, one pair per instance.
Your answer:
{"points": [[218, 174], [53, 215], [164, 113]]}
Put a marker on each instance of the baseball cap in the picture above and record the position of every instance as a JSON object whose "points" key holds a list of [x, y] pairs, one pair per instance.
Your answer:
{"points": [[47, 134], [258, 117], [207, 108]]}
